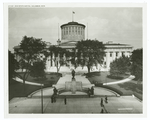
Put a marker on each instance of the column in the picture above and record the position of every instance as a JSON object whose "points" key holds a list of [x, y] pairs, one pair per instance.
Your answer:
{"points": [[70, 61], [119, 54], [107, 59], [53, 58], [58, 60], [126, 54], [113, 56], [84, 34], [61, 33], [48, 63]]}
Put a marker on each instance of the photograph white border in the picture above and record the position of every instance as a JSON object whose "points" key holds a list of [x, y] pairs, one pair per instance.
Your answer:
{"points": [[77, 5]]}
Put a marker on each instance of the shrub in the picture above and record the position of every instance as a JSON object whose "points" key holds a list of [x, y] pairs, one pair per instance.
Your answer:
{"points": [[111, 88], [91, 74], [115, 77]]}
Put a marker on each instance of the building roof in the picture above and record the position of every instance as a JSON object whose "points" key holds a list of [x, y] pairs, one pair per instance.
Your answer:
{"points": [[72, 23], [117, 45], [68, 43], [72, 44]]}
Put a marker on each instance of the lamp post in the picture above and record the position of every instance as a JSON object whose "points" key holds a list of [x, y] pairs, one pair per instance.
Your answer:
{"points": [[42, 98]]}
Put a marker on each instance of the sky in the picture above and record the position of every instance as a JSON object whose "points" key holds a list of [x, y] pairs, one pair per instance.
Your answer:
{"points": [[118, 24]]}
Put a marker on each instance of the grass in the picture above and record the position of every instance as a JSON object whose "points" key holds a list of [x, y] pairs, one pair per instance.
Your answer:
{"points": [[101, 78], [127, 88], [51, 78], [16, 88]]}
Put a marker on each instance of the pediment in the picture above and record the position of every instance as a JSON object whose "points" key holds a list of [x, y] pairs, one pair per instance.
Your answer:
{"points": [[68, 43]]}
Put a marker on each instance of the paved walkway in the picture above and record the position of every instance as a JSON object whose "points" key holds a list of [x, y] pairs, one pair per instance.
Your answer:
{"points": [[98, 91], [116, 104], [26, 82], [121, 81], [84, 80], [123, 104]]}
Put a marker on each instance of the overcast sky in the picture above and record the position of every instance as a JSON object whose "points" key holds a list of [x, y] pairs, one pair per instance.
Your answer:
{"points": [[120, 25]]}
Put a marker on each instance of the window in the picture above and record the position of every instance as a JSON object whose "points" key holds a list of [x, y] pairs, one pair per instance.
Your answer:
{"points": [[76, 29], [116, 54], [69, 29], [66, 30], [110, 54]]}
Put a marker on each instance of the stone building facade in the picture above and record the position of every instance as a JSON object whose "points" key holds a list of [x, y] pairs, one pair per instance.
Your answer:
{"points": [[73, 32], [112, 51]]}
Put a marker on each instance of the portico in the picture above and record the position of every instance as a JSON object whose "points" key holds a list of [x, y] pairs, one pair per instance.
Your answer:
{"points": [[115, 51]]}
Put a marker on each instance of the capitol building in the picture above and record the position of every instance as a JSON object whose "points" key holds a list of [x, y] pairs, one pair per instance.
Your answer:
{"points": [[71, 33]]}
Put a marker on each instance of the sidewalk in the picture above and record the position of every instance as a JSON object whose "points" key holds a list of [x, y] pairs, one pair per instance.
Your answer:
{"points": [[116, 103], [121, 81], [123, 104]]}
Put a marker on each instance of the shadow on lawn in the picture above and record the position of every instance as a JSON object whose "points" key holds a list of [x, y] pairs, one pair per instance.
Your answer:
{"points": [[16, 88], [132, 86]]}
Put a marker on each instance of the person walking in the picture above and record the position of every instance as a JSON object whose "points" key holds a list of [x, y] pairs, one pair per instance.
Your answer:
{"points": [[102, 111], [89, 92], [65, 100], [52, 99], [101, 102], [73, 73], [106, 99], [92, 90]]}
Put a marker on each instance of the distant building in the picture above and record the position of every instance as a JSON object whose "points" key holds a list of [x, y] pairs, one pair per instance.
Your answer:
{"points": [[73, 32]]}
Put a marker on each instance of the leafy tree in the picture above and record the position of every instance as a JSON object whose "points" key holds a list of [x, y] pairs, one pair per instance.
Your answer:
{"points": [[137, 64], [59, 56], [89, 53], [120, 66], [29, 50], [12, 66], [38, 70]]}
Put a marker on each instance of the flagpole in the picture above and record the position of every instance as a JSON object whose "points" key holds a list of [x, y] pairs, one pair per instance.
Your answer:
{"points": [[72, 16], [58, 30], [87, 31]]}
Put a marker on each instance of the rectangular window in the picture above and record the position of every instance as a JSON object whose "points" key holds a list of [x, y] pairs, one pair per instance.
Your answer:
{"points": [[64, 31], [116, 54], [110, 54]]}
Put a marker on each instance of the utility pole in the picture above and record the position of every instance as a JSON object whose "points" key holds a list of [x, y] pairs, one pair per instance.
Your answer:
{"points": [[42, 98], [87, 31], [73, 16]]}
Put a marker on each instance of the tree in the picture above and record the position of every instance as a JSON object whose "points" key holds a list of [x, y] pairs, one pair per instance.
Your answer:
{"points": [[29, 50], [120, 66], [12, 66], [38, 70], [137, 64], [89, 53], [59, 56]]}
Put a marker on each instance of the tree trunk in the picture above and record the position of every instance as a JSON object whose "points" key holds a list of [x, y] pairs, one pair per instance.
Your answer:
{"points": [[88, 69], [57, 67], [24, 89]]}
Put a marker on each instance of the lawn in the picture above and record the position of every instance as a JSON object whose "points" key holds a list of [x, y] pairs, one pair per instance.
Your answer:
{"points": [[16, 88], [51, 78], [127, 88], [102, 78]]}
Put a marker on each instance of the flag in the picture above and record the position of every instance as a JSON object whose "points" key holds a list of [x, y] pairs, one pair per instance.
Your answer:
{"points": [[73, 12]]}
